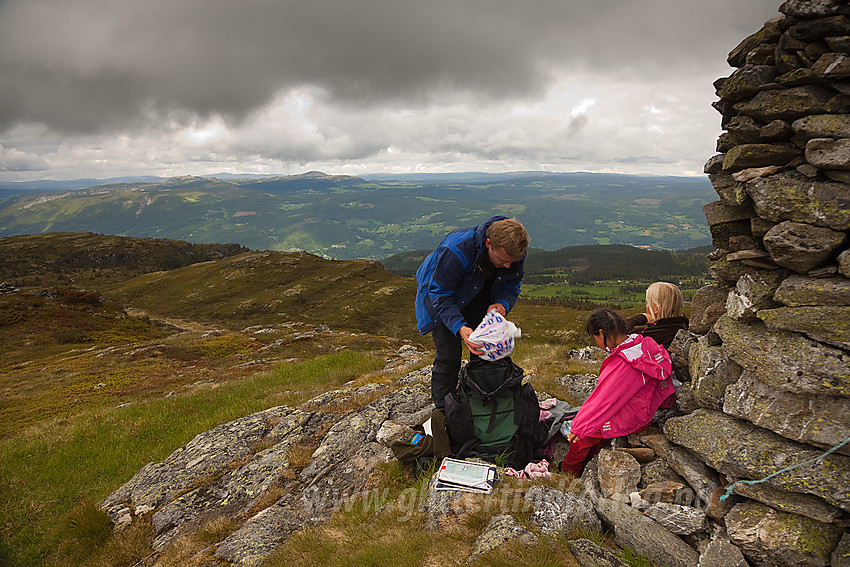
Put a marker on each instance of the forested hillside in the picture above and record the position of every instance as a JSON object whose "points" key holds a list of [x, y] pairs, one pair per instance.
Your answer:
{"points": [[584, 264]]}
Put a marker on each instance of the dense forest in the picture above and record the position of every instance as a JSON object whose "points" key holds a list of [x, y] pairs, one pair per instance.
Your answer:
{"points": [[579, 265]]}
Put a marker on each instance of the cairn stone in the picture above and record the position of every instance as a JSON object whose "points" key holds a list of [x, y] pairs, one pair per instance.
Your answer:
{"points": [[619, 474], [772, 538], [823, 421], [792, 196], [797, 290], [828, 324], [739, 448], [786, 360], [707, 305], [800, 246]]}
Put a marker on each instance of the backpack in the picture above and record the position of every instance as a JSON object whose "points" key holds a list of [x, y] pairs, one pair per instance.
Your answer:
{"points": [[493, 414]]}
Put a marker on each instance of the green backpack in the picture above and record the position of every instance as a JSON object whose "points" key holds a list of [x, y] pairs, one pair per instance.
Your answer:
{"points": [[492, 414]]}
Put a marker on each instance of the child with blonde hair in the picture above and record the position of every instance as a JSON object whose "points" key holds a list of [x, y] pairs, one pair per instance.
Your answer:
{"points": [[664, 314]]}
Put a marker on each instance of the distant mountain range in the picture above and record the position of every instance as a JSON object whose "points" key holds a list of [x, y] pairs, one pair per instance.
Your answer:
{"points": [[349, 217]]}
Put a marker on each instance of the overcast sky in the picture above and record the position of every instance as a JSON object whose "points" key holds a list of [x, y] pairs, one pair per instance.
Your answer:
{"points": [[106, 88]]}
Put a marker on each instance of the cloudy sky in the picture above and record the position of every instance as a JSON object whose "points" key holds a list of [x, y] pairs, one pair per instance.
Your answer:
{"points": [[107, 88]]}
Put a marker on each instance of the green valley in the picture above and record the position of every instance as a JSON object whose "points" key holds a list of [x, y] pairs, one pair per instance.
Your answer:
{"points": [[346, 217]]}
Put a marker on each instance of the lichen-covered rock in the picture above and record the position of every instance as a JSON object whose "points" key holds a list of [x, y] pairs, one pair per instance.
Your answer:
{"points": [[725, 272], [588, 554], [231, 496], [778, 539], [768, 35], [718, 212], [800, 246], [260, 535], [659, 471], [786, 360], [208, 455], [793, 103], [557, 512], [791, 196], [791, 502], [797, 290], [753, 291], [822, 126], [731, 191], [841, 555], [746, 81], [645, 536], [818, 420], [814, 8], [733, 446], [828, 324], [499, 531], [707, 305], [746, 156], [391, 431], [711, 371]]}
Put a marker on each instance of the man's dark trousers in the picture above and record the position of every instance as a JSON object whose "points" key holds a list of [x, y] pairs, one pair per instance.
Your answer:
{"points": [[450, 348]]}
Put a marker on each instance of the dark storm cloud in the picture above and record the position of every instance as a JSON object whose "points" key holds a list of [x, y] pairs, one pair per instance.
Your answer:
{"points": [[87, 65]]}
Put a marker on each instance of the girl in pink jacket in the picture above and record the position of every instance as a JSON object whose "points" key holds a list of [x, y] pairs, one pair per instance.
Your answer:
{"points": [[634, 380]]}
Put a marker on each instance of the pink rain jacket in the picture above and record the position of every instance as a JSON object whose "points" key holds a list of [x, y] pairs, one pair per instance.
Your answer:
{"points": [[633, 382]]}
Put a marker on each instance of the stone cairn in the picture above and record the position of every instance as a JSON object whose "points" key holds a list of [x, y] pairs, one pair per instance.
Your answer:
{"points": [[766, 361]]}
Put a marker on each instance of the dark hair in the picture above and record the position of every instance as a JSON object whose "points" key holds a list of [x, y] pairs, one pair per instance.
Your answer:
{"points": [[606, 321]]}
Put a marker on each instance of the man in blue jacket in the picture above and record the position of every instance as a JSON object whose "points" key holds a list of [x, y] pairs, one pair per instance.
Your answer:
{"points": [[472, 271]]}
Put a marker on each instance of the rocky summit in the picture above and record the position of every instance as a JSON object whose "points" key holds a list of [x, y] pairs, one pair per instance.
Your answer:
{"points": [[752, 465]]}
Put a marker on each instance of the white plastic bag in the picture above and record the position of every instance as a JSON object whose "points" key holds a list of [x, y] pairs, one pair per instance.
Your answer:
{"points": [[496, 334]]}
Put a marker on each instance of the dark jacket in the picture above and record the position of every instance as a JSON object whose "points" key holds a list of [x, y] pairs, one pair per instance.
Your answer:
{"points": [[449, 278], [663, 330]]}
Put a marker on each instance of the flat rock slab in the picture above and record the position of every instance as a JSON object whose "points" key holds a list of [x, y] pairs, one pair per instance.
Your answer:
{"points": [[645, 536], [557, 512]]}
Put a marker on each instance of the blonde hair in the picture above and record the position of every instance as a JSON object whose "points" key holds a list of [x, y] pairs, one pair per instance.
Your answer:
{"points": [[667, 298], [509, 235]]}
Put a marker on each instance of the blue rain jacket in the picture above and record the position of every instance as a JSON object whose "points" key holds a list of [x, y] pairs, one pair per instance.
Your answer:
{"points": [[449, 278]]}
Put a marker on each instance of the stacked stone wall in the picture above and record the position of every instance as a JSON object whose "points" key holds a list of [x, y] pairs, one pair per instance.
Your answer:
{"points": [[767, 358]]}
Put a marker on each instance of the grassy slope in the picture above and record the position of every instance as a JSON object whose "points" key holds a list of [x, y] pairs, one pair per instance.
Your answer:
{"points": [[91, 394], [258, 288]]}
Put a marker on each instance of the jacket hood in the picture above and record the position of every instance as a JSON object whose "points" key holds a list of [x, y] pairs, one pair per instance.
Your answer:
{"points": [[644, 355]]}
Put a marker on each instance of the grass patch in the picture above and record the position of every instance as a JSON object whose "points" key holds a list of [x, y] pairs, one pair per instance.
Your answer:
{"points": [[47, 470]]}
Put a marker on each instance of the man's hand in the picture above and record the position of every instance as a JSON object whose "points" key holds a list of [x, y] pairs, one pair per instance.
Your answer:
{"points": [[474, 348], [498, 307]]}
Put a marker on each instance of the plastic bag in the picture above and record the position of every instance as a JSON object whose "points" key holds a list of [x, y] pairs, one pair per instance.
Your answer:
{"points": [[496, 334]]}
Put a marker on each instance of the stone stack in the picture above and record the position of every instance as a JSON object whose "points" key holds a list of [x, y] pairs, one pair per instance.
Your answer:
{"points": [[768, 355]]}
